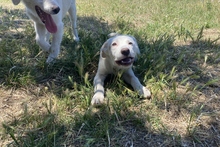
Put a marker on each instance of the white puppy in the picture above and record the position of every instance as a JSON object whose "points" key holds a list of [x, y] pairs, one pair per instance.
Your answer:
{"points": [[47, 16], [117, 54]]}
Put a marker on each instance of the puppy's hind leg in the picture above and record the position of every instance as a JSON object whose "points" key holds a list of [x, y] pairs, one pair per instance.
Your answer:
{"points": [[73, 18], [41, 36], [131, 79]]}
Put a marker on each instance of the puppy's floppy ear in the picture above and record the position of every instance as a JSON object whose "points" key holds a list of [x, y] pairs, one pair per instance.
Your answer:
{"points": [[104, 49], [113, 35], [16, 2]]}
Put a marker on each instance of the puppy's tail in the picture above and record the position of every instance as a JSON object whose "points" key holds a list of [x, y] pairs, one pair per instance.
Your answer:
{"points": [[113, 35]]}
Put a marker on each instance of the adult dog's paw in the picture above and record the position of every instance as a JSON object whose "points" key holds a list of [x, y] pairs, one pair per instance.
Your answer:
{"points": [[50, 59], [97, 99], [76, 39]]}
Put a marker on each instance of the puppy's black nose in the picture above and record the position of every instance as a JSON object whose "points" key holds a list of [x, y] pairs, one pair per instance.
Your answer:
{"points": [[55, 9], [125, 51]]}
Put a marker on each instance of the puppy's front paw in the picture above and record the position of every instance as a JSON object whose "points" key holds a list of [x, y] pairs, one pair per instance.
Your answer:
{"points": [[145, 92], [97, 99]]}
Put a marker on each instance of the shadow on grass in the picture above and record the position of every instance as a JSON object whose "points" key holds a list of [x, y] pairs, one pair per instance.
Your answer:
{"points": [[163, 63], [97, 127]]}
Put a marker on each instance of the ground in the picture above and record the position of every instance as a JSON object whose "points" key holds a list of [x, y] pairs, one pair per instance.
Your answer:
{"points": [[190, 116]]}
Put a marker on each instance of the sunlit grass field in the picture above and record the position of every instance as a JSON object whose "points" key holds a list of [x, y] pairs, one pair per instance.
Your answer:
{"points": [[49, 104]]}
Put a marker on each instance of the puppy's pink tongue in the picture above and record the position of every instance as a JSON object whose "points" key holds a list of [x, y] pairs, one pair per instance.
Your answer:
{"points": [[49, 23]]}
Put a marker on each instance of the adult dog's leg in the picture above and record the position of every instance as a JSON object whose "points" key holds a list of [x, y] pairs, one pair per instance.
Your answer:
{"points": [[98, 96], [40, 36], [55, 44], [47, 37], [131, 79], [73, 18]]}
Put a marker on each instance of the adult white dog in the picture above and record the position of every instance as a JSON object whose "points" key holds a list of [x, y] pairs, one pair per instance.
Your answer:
{"points": [[117, 54], [47, 16]]}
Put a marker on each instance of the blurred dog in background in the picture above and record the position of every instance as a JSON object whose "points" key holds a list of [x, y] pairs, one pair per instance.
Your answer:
{"points": [[47, 16]]}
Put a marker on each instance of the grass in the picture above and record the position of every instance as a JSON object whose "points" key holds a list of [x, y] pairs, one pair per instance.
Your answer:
{"points": [[49, 105]]}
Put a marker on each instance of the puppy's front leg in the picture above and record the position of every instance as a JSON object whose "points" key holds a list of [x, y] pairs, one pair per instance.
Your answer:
{"points": [[40, 36], [131, 79], [98, 96]]}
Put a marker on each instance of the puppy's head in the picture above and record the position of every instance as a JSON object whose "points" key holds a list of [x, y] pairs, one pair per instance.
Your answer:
{"points": [[121, 50]]}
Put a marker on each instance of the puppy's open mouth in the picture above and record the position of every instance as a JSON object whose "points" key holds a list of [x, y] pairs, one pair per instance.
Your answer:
{"points": [[47, 20], [126, 61]]}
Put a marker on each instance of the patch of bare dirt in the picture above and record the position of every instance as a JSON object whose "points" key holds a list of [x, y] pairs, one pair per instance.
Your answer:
{"points": [[204, 108], [13, 104], [211, 34]]}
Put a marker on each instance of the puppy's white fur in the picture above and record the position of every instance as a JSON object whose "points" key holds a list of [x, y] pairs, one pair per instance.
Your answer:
{"points": [[50, 22], [117, 54]]}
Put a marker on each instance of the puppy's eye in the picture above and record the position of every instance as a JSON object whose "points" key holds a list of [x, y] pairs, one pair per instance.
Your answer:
{"points": [[114, 44], [130, 43]]}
